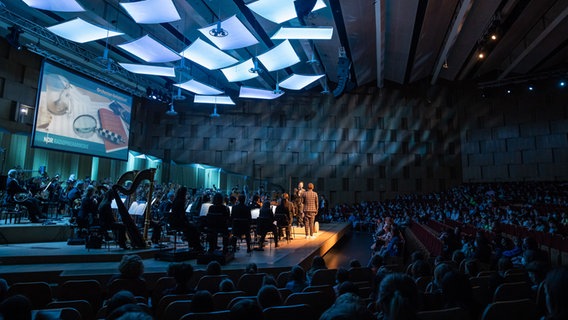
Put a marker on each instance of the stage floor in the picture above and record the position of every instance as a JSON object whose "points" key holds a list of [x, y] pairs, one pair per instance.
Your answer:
{"points": [[24, 260]]}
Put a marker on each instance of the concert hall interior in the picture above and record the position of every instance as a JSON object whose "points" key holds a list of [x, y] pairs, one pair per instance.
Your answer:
{"points": [[413, 146]]}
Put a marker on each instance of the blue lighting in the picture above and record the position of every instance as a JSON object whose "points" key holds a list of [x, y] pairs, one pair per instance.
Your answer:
{"points": [[562, 84], [508, 91], [531, 88]]}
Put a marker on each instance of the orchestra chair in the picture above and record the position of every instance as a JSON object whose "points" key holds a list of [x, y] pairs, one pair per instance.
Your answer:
{"points": [[165, 301], [221, 300], [215, 225], [89, 290], [12, 211], [323, 277], [39, 293], [177, 309], [443, 314], [210, 283], [214, 315], [318, 300], [297, 311], [250, 283], [83, 306], [523, 309]]}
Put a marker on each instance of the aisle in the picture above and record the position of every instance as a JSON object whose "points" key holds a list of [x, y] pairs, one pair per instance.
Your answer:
{"points": [[354, 245]]}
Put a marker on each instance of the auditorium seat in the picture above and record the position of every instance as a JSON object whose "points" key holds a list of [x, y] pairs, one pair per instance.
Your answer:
{"points": [[523, 309], [161, 285], [210, 283], [443, 314], [283, 278], [60, 313], [177, 309], [135, 286], [83, 306], [39, 293], [318, 300], [221, 300], [361, 274], [250, 283], [165, 301], [90, 290], [512, 291], [323, 277], [298, 311], [215, 315]]}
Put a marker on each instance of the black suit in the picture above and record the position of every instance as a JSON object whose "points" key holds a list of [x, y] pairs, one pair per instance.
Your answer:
{"points": [[32, 204], [241, 220]]}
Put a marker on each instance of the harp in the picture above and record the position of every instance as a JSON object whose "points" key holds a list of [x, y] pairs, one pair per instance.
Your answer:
{"points": [[137, 239]]}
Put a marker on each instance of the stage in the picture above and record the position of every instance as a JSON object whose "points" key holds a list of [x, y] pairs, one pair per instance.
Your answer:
{"points": [[56, 261]]}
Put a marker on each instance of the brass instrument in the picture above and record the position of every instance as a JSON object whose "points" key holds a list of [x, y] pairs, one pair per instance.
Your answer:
{"points": [[21, 197], [138, 240]]}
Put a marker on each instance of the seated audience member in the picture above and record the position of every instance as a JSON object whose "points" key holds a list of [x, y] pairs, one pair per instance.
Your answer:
{"points": [[347, 306], [118, 300], [3, 289], [457, 292], [341, 276], [213, 268], [16, 307], [347, 287], [269, 280], [297, 281], [375, 263], [246, 309], [354, 263], [268, 296], [129, 311], [555, 286], [457, 257], [471, 268], [439, 273], [182, 273], [419, 269], [202, 301], [498, 278], [131, 267], [398, 297], [318, 263], [227, 285], [251, 268], [537, 271]]}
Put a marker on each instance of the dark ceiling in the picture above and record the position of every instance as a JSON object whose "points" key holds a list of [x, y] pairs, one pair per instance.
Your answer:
{"points": [[387, 41]]}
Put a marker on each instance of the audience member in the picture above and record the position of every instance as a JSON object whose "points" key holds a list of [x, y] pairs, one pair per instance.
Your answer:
{"points": [[118, 300], [3, 289], [16, 307], [347, 287], [555, 286], [318, 263], [297, 281], [213, 268], [457, 292], [246, 309], [182, 273], [347, 306], [398, 297], [227, 285], [202, 301], [268, 296], [341, 276]]}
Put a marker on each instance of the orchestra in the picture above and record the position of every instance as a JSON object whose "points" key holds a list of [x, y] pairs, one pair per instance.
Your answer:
{"points": [[89, 204]]}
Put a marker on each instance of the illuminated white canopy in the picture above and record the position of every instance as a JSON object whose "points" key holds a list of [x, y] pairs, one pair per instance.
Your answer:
{"points": [[314, 33], [152, 11], [55, 5], [150, 50], [238, 35], [279, 11], [247, 92], [149, 70], [298, 82], [207, 55], [81, 31], [279, 57], [240, 72], [213, 99], [198, 87]]}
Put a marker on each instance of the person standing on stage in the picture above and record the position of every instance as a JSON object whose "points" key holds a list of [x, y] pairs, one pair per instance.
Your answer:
{"points": [[310, 201], [13, 188]]}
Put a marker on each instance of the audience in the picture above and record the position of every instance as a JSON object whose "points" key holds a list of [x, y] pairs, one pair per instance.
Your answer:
{"points": [[246, 309], [16, 307], [398, 298], [227, 285], [318, 263], [268, 296], [213, 268], [297, 281], [555, 286], [182, 273], [347, 306], [202, 301]]}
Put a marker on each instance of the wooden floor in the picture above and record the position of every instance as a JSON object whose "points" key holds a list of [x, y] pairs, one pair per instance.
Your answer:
{"points": [[29, 261]]}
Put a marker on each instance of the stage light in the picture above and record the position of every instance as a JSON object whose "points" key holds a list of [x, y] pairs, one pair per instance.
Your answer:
{"points": [[509, 91], [13, 37], [152, 11], [494, 37], [81, 31], [150, 50], [149, 70], [531, 88], [239, 37], [481, 55], [562, 84]]}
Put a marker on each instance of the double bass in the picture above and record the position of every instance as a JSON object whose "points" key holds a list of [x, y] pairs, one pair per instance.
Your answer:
{"points": [[137, 239]]}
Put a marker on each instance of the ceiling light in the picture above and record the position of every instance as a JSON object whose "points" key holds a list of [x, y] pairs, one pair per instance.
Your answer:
{"points": [[149, 70], [213, 99], [150, 50], [207, 55], [253, 93], [493, 37], [298, 82], [279, 57], [81, 31], [239, 37], [59, 5], [241, 71], [562, 84], [198, 87], [152, 11], [314, 33], [279, 11], [481, 55]]}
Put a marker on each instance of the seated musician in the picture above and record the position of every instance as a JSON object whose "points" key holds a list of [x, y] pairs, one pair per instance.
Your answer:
{"points": [[88, 210], [284, 214], [241, 220], [178, 220], [217, 219], [265, 224], [74, 197], [108, 222], [13, 189], [162, 213]]}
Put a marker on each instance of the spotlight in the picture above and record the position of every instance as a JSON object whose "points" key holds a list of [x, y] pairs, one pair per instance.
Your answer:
{"points": [[494, 37], [481, 55], [562, 84], [531, 88], [508, 91], [13, 37]]}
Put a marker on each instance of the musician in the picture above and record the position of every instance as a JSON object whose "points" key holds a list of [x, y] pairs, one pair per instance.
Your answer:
{"points": [[241, 220], [178, 220], [217, 219], [163, 211], [285, 214], [108, 222], [74, 197], [88, 211], [13, 188], [266, 224]]}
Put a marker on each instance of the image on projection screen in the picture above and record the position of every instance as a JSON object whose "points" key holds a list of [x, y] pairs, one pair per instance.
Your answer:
{"points": [[74, 114]]}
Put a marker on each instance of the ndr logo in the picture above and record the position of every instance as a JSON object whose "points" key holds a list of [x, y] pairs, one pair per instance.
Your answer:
{"points": [[47, 139]]}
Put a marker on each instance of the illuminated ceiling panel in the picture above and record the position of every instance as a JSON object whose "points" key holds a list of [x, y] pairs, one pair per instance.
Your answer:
{"points": [[150, 50], [213, 99], [279, 57], [152, 11], [313, 33], [240, 72], [207, 55], [298, 82], [279, 11], [55, 5], [80, 31], [237, 35], [149, 70], [198, 87], [253, 93]]}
